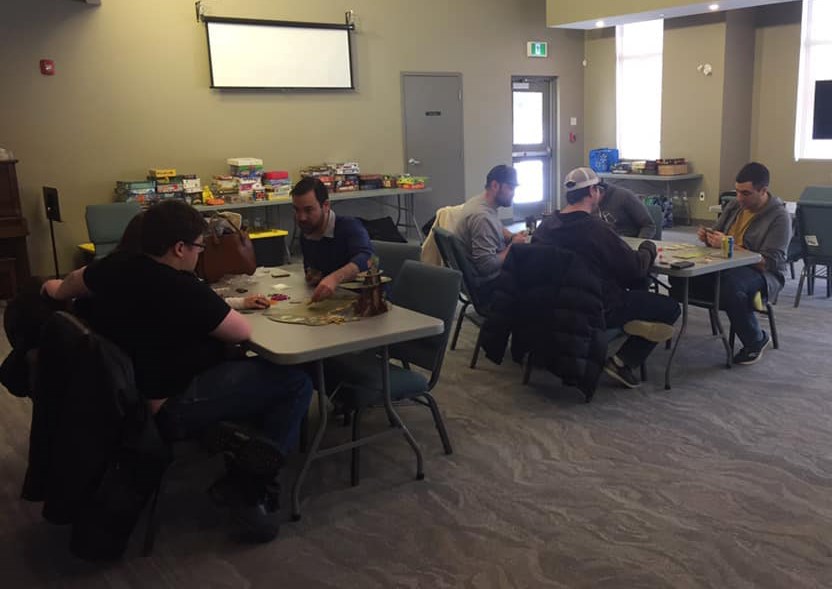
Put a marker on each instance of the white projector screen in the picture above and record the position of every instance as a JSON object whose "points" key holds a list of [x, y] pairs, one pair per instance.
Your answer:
{"points": [[273, 54]]}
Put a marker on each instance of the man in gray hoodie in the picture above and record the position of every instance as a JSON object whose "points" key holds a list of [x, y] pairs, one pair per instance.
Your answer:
{"points": [[758, 221]]}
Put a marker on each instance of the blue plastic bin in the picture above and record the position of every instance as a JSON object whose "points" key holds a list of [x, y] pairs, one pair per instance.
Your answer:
{"points": [[603, 158]]}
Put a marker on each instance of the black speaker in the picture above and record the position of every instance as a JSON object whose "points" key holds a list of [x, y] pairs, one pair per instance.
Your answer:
{"points": [[50, 201]]}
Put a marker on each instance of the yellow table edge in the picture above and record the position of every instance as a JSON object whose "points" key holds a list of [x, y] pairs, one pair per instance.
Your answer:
{"points": [[89, 247]]}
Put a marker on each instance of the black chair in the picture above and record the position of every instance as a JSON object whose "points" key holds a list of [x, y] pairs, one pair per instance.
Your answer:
{"points": [[814, 221], [454, 256], [392, 256], [425, 288]]}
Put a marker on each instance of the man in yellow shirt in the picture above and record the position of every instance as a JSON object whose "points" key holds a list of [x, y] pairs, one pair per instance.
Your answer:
{"points": [[758, 221]]}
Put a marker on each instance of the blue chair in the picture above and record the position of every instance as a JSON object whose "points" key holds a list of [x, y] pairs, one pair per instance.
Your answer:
{"points": [[392, 256], [814, 221], [107, 222], [425, 288]]}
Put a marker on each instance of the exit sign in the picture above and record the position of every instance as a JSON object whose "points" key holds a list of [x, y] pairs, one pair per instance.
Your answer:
{"points": [[537, 49]]}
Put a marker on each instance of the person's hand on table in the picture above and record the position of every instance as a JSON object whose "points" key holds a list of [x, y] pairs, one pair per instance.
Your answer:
{"points": [[325, 288], [714, 238], [521, 237], [313, 277], [702, 234], [256, 302]]}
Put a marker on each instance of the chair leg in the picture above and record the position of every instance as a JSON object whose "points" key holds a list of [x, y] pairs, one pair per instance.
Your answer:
{"points": [[643, 371], [459, 321], [152, 520], [711, 313], [791, 269], [439, 422], [356, 452], [732, 336], [476, 350], [828, 285], [810, 288], [527, 369], [800, 285], [773, 325], [303, 443]]}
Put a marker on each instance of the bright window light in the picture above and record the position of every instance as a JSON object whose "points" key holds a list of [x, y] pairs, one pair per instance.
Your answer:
{"points": [[815, 64], [638, 103]]}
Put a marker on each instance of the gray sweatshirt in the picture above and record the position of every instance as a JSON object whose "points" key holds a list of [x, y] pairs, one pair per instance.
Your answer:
{"points": [[768, 235], [480, 230], [625, 212]]}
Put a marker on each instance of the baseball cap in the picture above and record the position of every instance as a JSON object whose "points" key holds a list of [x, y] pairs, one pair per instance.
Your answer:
{"points": [[503, 174], [581, 178]]}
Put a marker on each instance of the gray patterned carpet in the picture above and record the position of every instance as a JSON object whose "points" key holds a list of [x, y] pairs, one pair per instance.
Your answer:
{"points": [[725, 482]]}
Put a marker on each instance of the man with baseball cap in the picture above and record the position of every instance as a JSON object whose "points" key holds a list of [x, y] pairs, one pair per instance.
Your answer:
{"points": [[479, 228], [648, 318]]}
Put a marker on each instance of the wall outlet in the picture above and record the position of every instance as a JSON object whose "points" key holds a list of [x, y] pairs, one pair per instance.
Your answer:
{"points": [[702, 196]]}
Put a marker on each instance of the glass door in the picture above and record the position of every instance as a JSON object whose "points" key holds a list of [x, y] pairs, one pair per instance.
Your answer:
{"points": [[531, 144]]}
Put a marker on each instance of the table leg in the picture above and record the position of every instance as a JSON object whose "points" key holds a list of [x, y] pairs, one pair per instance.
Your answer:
{"points": [[391, 412], [312, 454], [722, 335], [685, 288], [399, 212], [412, 208]]}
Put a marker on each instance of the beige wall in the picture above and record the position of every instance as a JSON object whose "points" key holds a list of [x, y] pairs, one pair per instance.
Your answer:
{"points": [[559, 12], [131, 92], [775, 92], [744, 111], [691, 102], [736, 99], [599, 89]]}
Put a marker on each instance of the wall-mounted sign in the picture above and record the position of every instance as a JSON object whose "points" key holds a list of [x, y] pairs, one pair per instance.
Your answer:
{"points": [[537, 49]]}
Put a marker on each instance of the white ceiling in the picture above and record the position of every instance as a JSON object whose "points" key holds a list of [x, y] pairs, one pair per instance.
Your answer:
{"points": [[675, 12]]}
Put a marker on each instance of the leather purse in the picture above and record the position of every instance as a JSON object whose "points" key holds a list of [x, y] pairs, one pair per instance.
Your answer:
{"points": [[225, 253]]}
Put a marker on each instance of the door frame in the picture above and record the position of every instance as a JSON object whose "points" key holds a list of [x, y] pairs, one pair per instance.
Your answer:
{"points": [[554, 138], [457, 75]]}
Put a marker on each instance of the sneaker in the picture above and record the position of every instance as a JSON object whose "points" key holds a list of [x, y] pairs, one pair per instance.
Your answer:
{"points": [[621, 372], [652, 331], [751, 355], [252, 450]]}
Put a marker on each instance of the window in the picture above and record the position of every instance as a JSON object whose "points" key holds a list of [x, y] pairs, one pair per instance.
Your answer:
{"points": [[638, 94], [815, 65]]}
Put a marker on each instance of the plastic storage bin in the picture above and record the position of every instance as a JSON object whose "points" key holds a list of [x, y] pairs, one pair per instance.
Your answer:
{"points": [[603, 158]]}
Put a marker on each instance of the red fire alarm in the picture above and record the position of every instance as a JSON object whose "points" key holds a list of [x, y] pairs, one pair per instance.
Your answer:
{"points": [[47, 67]]}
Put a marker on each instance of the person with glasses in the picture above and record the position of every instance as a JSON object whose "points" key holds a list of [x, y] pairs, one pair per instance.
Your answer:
{"points": [[182, 338], [483, 235]]}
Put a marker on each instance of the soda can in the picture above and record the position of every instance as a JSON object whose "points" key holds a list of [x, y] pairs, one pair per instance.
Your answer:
{"points": [[728, 246]]}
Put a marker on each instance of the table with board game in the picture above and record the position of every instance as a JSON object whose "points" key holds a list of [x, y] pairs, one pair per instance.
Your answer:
{"points": [[705, 260], [293, 331]]}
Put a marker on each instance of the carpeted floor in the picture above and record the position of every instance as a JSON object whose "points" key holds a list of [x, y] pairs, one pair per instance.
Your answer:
{"points": [[725, 481]]}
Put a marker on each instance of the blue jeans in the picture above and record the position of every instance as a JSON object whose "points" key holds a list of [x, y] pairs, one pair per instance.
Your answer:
{"points": [[643, 306], [737, 288], [270, 397]]}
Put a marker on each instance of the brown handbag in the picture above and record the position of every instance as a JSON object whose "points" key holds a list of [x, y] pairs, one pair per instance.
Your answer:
{"points": [[231, 253]]}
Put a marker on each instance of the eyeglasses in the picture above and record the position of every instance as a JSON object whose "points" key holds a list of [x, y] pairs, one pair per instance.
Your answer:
{"points": [[201, 246]]}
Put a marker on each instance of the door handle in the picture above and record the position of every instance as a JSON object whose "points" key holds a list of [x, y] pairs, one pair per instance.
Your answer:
{"points": [[413, 161]]}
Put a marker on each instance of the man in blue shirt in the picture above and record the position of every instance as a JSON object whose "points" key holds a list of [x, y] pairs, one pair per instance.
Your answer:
{"points": [[334, 249]]}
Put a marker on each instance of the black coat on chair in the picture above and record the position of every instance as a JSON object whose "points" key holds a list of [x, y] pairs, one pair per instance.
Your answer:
{"points": [[552, 306]]}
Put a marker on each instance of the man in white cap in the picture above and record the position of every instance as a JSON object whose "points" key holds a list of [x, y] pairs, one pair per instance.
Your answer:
{"points": [[647, 317]]}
